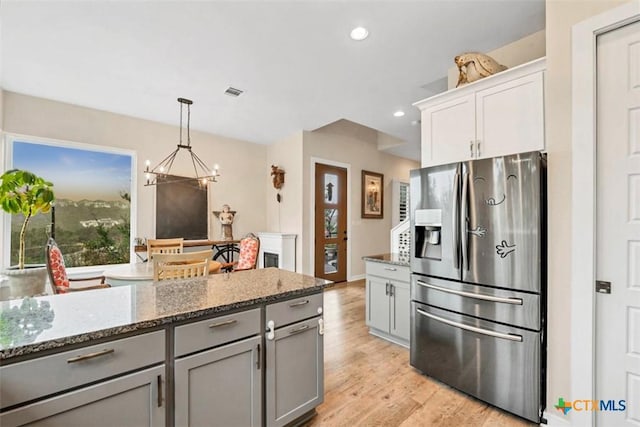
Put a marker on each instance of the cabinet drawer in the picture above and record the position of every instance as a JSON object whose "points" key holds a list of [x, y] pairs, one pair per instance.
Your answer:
{"points": [[213, 332], [36, 378], [293, 310], [389, 271]]}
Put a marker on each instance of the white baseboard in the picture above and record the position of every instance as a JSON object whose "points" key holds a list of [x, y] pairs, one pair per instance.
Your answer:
{"points": [[357, 277], [554, 420]]}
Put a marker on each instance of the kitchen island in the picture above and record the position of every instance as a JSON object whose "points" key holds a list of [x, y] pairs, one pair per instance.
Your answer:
{"points": [[388, 297], [168, 353]]}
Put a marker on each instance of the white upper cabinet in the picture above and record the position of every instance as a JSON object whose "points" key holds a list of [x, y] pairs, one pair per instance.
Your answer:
{"points": [[499, 115]]}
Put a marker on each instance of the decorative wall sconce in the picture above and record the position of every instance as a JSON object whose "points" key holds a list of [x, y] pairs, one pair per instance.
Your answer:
{"points": [[278, 179]]}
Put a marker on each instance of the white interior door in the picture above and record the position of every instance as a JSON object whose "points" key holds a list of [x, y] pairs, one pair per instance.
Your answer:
{"points": [[618, 226]]}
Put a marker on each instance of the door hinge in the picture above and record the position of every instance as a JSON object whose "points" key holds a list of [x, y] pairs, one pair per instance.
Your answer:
{"points": [[603, 287]]}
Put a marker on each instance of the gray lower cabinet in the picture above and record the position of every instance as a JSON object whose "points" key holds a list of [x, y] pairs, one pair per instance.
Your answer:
{"points": [[388, 302], [294, 360], [135, 400], [220, 387]]}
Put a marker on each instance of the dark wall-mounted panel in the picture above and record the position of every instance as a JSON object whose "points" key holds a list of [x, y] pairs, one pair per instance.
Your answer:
{"points": [[181, 209]]}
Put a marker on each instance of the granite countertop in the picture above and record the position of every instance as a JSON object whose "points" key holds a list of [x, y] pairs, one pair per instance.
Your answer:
{"points": [[32, 324], [393, 258]]}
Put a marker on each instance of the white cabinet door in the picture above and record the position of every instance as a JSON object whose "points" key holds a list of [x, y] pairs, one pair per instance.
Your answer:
{"points": [[220, 387], [377, 305], [400, 316], [448, 131], [135, 400], [510, 117]]}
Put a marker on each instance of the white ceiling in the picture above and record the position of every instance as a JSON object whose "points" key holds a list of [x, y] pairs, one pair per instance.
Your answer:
{"points": [[294, 59]]}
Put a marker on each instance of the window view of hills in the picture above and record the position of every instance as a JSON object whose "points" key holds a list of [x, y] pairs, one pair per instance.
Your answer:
{"points": [[89, 232], [90, 220]]}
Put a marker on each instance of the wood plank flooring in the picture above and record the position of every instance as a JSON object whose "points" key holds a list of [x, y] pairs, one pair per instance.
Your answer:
{"points": [[368, 381]]}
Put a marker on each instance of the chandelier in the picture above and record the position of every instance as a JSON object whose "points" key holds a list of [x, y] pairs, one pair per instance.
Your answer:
{"points": [[161, 173]]}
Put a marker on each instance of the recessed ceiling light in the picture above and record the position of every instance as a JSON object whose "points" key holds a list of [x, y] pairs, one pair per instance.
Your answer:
{"points": [[398, 114], [359, 33]]}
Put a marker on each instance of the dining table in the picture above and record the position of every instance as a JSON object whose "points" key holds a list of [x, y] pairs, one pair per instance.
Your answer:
{"points": [[138, 273], [129, 274]]}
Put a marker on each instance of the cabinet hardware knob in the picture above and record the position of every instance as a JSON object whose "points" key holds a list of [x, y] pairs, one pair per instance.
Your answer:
{"points": [[91, 355], [271, 333]]}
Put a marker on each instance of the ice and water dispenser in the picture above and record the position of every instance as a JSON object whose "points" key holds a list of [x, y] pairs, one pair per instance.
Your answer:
{"points": [[428, 228]]}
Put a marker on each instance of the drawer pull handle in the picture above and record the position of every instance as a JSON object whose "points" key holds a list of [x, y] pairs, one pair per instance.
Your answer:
{"points": [[514, 301], [510, 337], [258, 357], [90, 355], [321, 326], [298, 330], [297, 304], [225, 323], [159, 391], [390, 268]]}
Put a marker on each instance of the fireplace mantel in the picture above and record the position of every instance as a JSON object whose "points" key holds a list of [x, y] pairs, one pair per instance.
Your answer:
{"points": [[281, 244]]}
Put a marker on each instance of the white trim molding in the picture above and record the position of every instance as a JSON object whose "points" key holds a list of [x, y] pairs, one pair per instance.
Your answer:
{"points": [[584, 199], [554, 420], [312, 192]]}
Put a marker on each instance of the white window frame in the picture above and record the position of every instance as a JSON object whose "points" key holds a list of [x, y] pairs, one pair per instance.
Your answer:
{"points": [[6, 159]]}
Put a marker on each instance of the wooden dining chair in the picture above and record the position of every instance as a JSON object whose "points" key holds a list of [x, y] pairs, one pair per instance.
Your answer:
{"points": [[164, 246], [248, 256], [181, 266], [60, 282]]}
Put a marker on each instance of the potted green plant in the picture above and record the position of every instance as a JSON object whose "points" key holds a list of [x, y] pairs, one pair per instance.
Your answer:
{"points": [[23, 192]]}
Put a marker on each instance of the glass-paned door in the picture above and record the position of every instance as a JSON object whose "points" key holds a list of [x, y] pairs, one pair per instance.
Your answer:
{"points": [[331, 223]]}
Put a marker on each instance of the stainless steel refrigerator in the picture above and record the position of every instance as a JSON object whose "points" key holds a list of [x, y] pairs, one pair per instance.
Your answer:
{"points": [[478, 283]]}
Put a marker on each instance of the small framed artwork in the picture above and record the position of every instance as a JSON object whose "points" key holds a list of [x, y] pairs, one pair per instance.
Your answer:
{"points": [[372, 195]]}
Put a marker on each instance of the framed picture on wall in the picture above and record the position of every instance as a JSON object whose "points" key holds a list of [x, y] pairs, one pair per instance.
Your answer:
{"points": [[372, 195]]}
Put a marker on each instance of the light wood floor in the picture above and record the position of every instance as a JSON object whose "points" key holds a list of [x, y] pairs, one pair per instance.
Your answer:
{"points": [[368, 381]]}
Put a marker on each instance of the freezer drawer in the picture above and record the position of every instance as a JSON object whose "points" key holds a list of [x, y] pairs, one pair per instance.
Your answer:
{"points": [[495, 363], [511, 307]]}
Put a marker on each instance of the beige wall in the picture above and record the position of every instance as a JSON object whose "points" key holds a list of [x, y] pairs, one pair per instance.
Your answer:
{"points": [[242, 164], [561, 15], [1, 109], [286, 216], [355, 145], [519, 52]]}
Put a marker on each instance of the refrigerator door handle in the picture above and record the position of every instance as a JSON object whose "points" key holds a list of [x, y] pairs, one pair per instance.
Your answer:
{"points": [[514, 301], [463, 220], [510, 337], [455, 220]]}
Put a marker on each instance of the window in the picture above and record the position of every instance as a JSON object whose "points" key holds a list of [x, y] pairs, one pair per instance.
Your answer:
{"points": [[399, 201], [91, 218]]}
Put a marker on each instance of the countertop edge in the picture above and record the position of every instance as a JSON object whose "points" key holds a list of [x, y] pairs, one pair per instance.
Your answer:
{"points": [[60, 343], [381, 259]]}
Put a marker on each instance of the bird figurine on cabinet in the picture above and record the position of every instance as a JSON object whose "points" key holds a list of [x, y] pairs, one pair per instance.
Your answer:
{"points": [[474, 66]]}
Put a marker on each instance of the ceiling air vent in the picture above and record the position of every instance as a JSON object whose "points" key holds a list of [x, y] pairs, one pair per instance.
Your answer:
{"points": [[232, 91]]}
